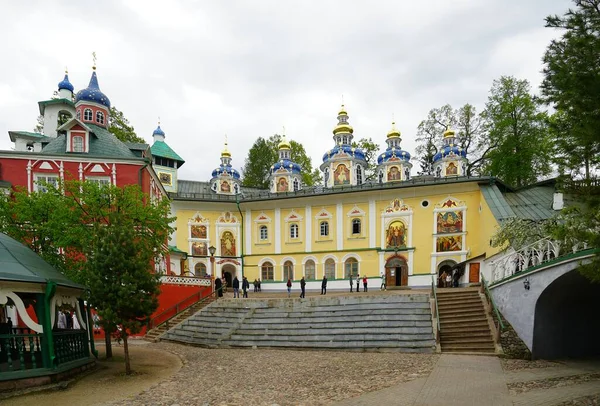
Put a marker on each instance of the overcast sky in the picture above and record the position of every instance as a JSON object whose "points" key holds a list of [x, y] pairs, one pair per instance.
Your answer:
{"points": [[249, 68]]}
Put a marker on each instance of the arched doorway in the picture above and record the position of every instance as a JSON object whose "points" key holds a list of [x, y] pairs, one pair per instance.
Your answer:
{"points": [[444, 266], [396, 271], [228, 272]]}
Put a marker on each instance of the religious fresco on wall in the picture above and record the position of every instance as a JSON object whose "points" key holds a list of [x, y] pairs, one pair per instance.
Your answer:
{"points": [[282, 185], [198, 231], [341, 175], [451, 169], [396, 205], [199, 248], [396, 235], [225, 187], [450, 243], [394, 173], [228, 244], [449, 222]]}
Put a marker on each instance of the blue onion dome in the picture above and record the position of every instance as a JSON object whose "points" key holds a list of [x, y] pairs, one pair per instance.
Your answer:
{"points": [[226, 170], [65, 84], [344, 149], [92, 93], [158, 131], [393, 154], [287, 165], [450, 151]]}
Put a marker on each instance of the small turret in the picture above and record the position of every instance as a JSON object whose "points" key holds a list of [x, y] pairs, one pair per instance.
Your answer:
{"points": [[65, 88]]}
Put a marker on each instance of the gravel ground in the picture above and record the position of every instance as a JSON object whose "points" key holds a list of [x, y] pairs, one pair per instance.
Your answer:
{"points": [[278, 377], [521, 387], [584, 401], [519, 364]]}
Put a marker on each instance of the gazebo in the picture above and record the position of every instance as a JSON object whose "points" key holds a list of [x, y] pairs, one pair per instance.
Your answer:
{"points": [[35, 341]]}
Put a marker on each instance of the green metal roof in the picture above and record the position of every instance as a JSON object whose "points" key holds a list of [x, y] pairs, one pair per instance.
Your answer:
{"points": [[176, 250], [42, 104], [34, 136], [102, 144], [161, 149], [20, 264], [533, 204], [496, 201]]}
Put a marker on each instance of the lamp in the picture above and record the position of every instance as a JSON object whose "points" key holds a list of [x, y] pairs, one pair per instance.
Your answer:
{"points": [[526, 284], [212, 250]]}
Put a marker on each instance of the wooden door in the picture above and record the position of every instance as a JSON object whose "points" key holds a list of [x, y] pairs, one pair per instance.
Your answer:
{"points": [[474, 273], [404, 273], [390, 277]]}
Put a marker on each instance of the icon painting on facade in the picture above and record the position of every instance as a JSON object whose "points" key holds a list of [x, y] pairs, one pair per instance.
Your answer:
{"points": [[228, 244], [450, 243], [198, 231], [341, 176], [396, 235], [449, 222], [199, 248]]}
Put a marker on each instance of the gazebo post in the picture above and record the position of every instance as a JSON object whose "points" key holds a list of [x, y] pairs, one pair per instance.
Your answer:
{"points": [[90, 328], [48, 341]]}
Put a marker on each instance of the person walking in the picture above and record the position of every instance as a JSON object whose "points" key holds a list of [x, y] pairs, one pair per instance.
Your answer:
{"points": [[365, 283], [245, 286], [324, 285], [351, 284], [259, 285], [358, 283], [236, 287], [219, 287], [255, 283], [383, 282], [289, 287], [303, 288]]}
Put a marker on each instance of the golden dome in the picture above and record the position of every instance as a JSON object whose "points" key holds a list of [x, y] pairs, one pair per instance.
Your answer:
{"points": [[342, 111], [284, 144], [449, 133], [343, 128], [394, 133], [225, 153]]}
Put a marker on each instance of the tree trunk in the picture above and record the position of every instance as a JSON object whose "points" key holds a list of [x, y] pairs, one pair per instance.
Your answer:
{"points": [[126, 351], [108, 344]]}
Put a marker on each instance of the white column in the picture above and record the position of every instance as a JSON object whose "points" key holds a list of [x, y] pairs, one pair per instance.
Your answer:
{"points": [[248, 232], [372, 224], [308, 227], [114, 174], [278, 231], [29, 178], [339, 223]]}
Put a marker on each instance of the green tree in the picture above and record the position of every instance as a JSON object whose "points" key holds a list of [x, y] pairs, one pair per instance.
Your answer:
{"points": [[264, 153], [120, 127], [572, 86], [517, 129], [371, 150], [429, 136]]}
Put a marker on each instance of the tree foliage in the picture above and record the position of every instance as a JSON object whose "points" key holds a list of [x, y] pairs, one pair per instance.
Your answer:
{"points": [[265, 152], [120, 127], [517, 129], [371, 150]]}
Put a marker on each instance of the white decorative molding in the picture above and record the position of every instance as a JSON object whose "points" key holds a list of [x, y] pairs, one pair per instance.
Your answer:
{"points": [[277, 230], [309, 238], [185, 280], [45, 165], [356, 212], [248, 232], [323, 214], [372, 224], [21, 311], [339, 222], [293, 216], [97, 168], [262, 218]]}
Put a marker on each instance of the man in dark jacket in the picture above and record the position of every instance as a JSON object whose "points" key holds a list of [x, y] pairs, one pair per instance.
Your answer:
{"points": [[219, 287], [302, 287], [245, 286], [324, 285], [236, 287]]}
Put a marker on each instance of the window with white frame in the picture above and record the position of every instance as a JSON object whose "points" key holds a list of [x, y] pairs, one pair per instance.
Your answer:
{"points": [[87, 114], [351, 268], [43, 182], [99, 180], [356, 227], [309, 269], [100, 117], [78, 114], [266, 271], [330, 268], [359, 175], [77, 142], [324, 228], [200, 270], [294, 231], [296, 185], [288, 271], [263, 233]]}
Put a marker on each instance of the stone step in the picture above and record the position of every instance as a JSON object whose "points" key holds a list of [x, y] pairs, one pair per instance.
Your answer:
{"points": [[449, 304], [347, 311], [466, 340], [325, 324], [464, 322], [332, 337], [429, 344], [468, 348], [458, 298], [294, 332], [471, 332], [459, 315], [337, 319]]}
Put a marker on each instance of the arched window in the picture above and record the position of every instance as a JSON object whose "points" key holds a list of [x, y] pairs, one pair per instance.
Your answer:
{"points": [[236, 188], [213, 187], [294, 230], [326, 176], [330, 268], [87, 114], [263, 233], [380, 176], [77, 144], [324, 228], [356, 226], [78, 114], [296, 185], [309, 269], [359, 175], [351, 268], [200, 270], [266, 271], [100, 117], [288, 270]]}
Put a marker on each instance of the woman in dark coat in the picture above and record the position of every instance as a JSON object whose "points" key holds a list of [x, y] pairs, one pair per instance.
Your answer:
{"points": [[219, 287]]}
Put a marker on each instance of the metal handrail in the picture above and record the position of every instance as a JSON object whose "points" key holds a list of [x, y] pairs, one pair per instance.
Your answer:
{"points": [[151, 323], [437, 311], [491, 300]]}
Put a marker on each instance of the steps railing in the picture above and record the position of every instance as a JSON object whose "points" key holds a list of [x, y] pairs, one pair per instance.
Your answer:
{"points": [[490, 300], [166, 315], [436, 310]]}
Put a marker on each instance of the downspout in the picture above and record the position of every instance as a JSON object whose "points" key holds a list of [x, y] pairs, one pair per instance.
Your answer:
{"points": [[237, 202]]}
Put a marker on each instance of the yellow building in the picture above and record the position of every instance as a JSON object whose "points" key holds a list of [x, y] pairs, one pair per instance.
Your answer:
{"points": [[405, 230]]}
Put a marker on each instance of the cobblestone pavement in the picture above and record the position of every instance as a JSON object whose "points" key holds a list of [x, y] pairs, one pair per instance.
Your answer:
{"points": [[279, 377]]}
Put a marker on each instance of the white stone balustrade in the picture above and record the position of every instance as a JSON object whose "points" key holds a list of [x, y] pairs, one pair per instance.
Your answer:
{"points": [[185, 280]]}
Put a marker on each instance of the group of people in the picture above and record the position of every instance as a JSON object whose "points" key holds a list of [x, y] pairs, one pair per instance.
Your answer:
{"points": [[449, 279], [303, 287], [256, 284], [67, 320], [364, 282]]}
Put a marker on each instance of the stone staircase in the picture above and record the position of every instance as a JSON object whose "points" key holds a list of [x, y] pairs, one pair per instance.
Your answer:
{"points": [[383, 322], [154, 334], [464, 325]]}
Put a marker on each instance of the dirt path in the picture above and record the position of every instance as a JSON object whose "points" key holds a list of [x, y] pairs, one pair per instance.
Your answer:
{"points": [[109, 382]]}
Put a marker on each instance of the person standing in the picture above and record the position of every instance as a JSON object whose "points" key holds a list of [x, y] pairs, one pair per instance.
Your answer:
{"points": [[302, 288], [351, 284], [358, 283], [255, 283], [62, 320], [365, 283], [289, 287], [219, 287], [236, 288], [245, 286], [324, 285], [259, 285], [383, 282]]}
